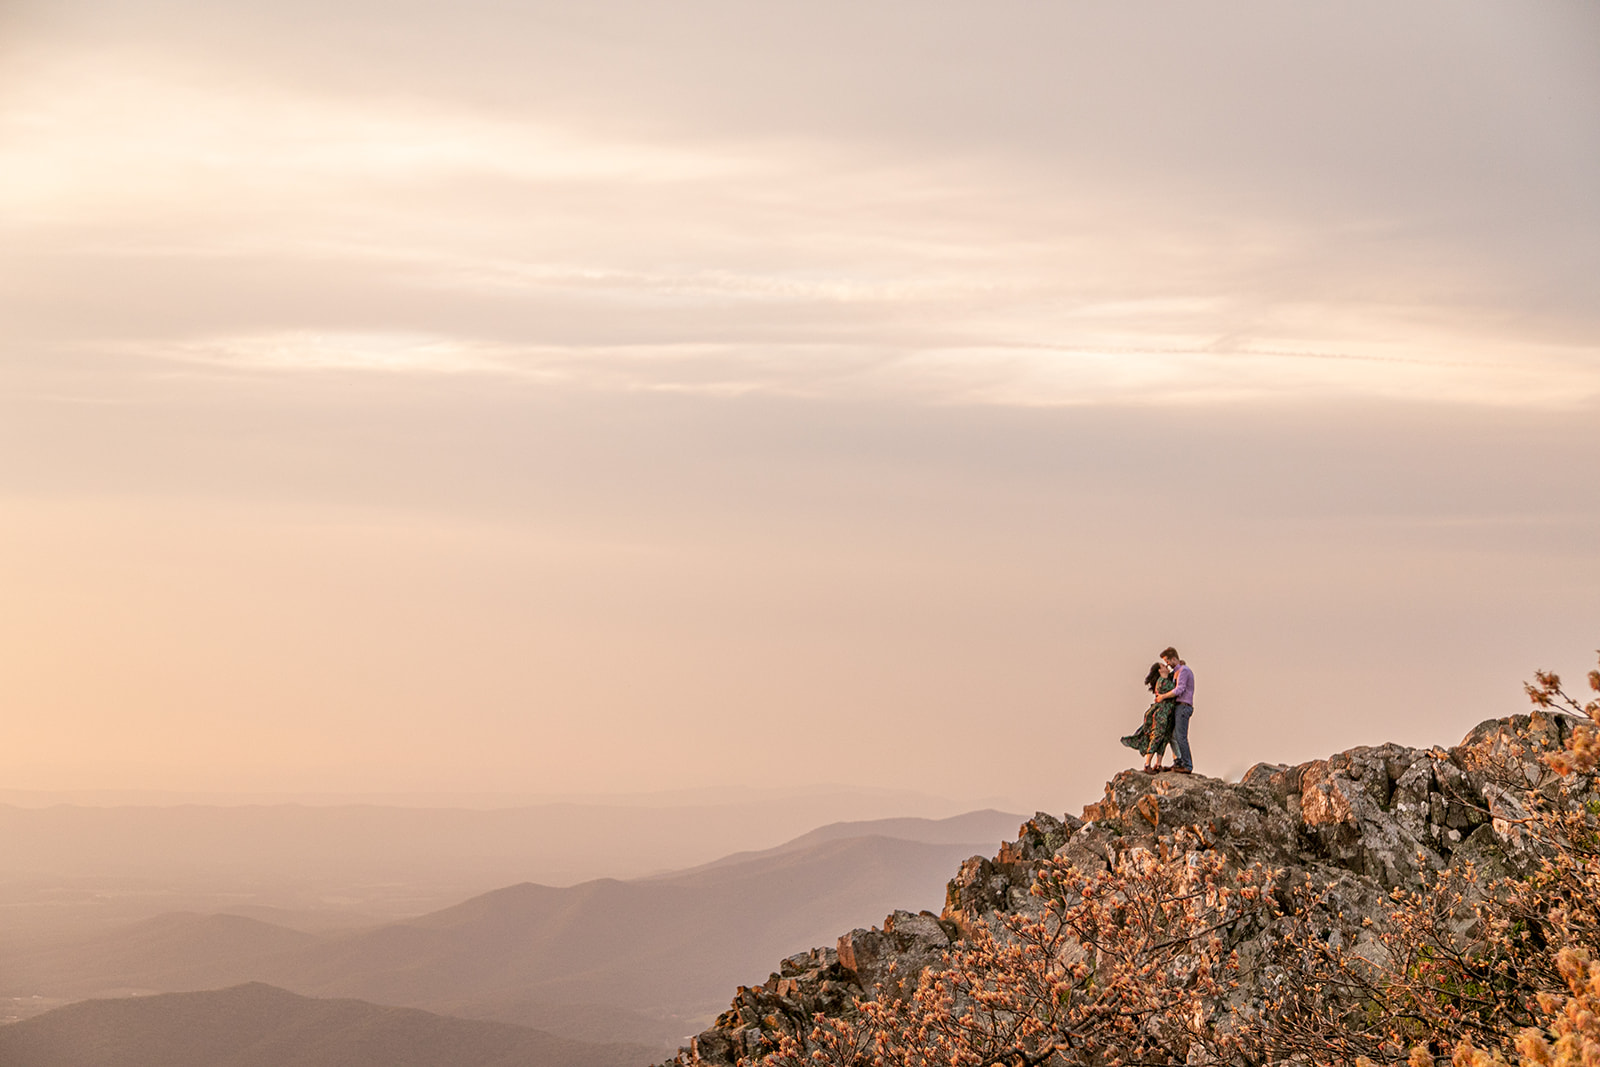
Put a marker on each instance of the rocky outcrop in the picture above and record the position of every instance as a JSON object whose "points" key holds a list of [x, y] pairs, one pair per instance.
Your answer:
{"points": [[804, 985], [1359, 824]]}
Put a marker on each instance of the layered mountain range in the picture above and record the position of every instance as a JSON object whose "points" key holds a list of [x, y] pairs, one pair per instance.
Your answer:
{"points": [[256, 1025], [645, 960]]}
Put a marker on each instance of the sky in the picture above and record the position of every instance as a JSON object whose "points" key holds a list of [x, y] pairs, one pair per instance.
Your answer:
{"points": [[623, 397]]}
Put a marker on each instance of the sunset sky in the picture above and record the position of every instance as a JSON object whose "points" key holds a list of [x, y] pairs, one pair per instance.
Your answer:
{"points": [[616, 397]]}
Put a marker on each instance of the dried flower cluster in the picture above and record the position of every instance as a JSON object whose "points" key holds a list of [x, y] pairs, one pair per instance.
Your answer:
{"points": [[1097, 976], [1546, 692]]}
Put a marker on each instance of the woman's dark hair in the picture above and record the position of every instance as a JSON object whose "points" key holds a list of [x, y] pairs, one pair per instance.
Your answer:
{"points": [[1153, 677]]}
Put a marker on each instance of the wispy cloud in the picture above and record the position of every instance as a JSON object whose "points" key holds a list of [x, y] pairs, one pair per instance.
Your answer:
{"points": [[1019, 374], [183, 212], [109, 136]]}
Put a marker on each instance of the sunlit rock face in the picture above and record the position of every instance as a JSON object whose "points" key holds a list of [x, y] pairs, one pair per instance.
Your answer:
{"points": [[1360, 823]]}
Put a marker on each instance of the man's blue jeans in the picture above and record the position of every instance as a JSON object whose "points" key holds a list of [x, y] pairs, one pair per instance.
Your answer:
{"points": [[1180, 736]]}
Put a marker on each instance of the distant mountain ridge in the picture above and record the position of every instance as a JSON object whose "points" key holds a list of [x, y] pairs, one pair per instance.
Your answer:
{"points": [[256, 1025], [639, 959], [973, 826], [556, 843]]}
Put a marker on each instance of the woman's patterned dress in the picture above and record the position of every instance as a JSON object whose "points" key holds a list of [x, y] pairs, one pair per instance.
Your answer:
{"points": [[1152, 738]]}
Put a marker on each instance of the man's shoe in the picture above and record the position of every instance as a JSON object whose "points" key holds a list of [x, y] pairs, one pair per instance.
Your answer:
{"points": [[1180, 769]]}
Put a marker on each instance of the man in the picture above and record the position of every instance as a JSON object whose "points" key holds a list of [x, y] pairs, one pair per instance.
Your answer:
{"points": [[1183, 694]]}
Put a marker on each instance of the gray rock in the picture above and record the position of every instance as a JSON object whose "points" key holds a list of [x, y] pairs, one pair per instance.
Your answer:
{"points": [[888, 962]]}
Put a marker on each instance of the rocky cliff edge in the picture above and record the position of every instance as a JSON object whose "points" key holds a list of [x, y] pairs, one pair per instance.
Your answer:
{"points": [[1361, 823]]}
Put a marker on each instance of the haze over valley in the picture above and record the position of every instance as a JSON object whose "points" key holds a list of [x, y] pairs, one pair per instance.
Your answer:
{"points": [[319, 864], [645, 960]]}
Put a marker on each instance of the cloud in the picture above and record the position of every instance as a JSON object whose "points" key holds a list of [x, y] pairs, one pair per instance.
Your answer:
{"points": [[485, 374], [108, 137], [1026, 375], [704, 207], [1069, 207]]}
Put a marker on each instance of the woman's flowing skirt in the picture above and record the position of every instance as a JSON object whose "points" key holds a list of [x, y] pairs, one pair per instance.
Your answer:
{"points": [[1153, 736]]}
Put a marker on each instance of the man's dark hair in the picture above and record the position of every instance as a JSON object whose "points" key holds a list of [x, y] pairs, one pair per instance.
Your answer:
{"points": [[1170, 653]]}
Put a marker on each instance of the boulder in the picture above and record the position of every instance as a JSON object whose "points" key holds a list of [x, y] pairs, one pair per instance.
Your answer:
{"points": [[888, 962]]}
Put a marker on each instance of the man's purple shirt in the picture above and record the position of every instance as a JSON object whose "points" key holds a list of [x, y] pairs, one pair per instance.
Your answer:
{"points": [[1184, 692]]}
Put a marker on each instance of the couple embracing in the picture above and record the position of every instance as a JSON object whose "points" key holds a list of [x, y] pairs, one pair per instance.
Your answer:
{"points": [[1167, 720]]}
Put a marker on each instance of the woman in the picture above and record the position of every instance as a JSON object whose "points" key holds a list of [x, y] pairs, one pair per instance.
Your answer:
{"points": [[1152, 738]]}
